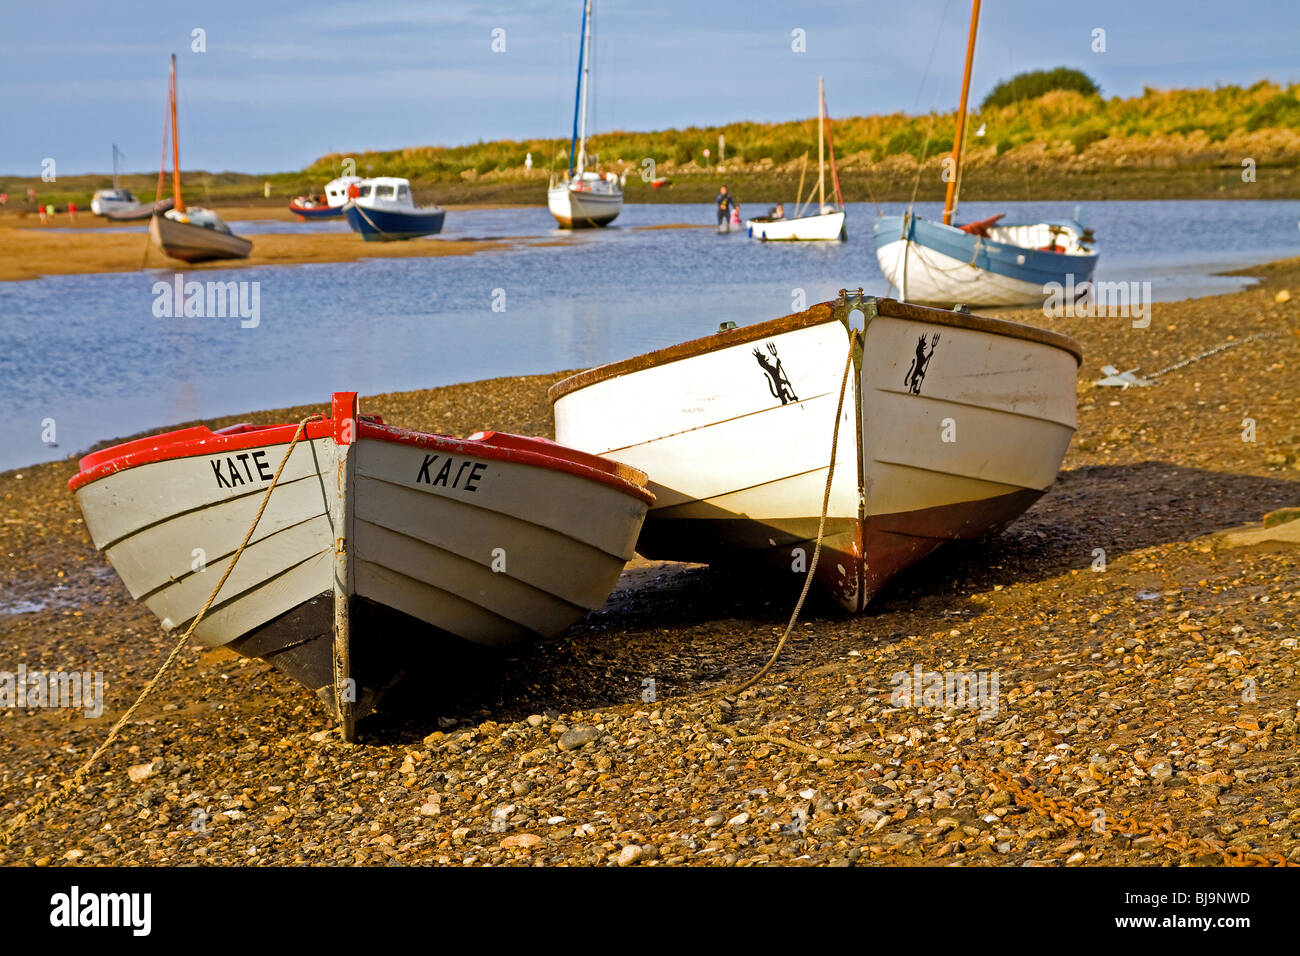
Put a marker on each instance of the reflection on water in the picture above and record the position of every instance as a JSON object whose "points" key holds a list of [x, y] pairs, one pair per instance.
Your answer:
{"points": [[88, 351]]}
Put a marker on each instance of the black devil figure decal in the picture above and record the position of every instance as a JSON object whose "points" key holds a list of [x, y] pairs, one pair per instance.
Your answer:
{"points": [[777, 383], [920, 362]]}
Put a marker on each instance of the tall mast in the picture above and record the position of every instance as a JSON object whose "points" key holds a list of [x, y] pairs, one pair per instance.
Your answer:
{"points": [[577, 97], [821, 145], [586, 81], [176, 144], [949, 201], [115, 165], [830, 153]]}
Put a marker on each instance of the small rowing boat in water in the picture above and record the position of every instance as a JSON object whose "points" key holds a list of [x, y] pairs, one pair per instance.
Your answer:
{"points": [[383, 210], [194, 234], [401, 535], [952, 425]]}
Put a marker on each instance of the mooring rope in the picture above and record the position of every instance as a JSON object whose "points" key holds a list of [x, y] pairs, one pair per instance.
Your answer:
{"points": [[55, 796], [821, 528]]}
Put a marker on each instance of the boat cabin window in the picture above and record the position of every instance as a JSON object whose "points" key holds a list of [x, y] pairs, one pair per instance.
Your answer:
{"points": [[365, 191], [385, 192], [404, 192]]}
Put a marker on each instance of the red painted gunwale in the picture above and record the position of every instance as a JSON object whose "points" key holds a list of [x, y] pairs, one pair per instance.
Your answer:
{"points": [[492, 446]]}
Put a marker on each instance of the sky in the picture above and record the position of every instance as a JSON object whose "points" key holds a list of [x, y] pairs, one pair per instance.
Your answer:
{"points": [[281, 83]]}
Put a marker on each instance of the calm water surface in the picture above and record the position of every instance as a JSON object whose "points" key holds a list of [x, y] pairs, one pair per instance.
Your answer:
{"points": [[88, 351]]}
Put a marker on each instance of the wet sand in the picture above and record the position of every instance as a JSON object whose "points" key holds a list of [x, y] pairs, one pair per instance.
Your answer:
{"points": [[29, 251], [1159, 687]]}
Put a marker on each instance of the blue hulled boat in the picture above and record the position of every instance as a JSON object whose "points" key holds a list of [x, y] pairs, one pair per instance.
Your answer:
{"points": [[983, 263], [383, 211]]}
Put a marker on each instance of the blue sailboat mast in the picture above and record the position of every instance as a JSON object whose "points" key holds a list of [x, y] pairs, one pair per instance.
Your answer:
{"points": [[577, 98]]}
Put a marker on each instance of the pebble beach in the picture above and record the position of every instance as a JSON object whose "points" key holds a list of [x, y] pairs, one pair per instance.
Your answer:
{"points": [[1140, 619]]}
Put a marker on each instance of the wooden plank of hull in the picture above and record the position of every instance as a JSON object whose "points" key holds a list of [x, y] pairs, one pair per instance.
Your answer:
{"points": [[690, 421], [262, 561], [264, 600], [191, 243], [164, 552], [428, 549], [595, 514], [540, 558], [134, 498]]}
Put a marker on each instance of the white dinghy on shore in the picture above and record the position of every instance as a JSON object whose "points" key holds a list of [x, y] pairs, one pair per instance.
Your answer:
{"points": [[375, 541], [952, 425]]}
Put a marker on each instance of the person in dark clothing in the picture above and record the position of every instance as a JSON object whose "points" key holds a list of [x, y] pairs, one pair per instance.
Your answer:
{"points": [[724, 202]]}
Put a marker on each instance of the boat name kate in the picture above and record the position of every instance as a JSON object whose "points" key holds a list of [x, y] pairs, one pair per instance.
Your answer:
{"points": [[232, 475], [476, 469]]}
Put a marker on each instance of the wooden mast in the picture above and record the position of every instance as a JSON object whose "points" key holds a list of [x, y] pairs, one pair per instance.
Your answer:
{"points": [[176, 145], [950, 197], [821, 146]]}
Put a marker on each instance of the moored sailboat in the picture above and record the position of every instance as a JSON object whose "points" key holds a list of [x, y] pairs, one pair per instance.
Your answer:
{"points": [[116, 199], [195, 234], [986, 263], [952, 424], [827, 223], [584, 197], [380, 537]]}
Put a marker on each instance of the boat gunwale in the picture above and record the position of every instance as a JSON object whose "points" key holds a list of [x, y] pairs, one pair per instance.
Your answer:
{"points": [[819, 314], [200, 441]]}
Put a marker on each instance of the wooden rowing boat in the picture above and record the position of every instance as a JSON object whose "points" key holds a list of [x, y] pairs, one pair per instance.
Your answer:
{"points": [[953, 424], [402, 536]]}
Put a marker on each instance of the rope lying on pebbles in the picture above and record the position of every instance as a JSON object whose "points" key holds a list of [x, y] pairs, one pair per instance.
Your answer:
{"points": [[1214, 351], [56, 796]]}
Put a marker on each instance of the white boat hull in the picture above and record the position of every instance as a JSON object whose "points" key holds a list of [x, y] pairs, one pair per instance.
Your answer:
{"points": [[934, 277], [421, 536], [827, 227], [574, 209], [738, 460]]}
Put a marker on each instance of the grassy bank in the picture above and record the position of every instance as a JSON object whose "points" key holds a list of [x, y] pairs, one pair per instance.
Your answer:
{"points": [[1170, 144]]}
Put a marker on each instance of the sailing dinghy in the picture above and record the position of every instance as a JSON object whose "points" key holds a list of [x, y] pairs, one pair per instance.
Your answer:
{"points": [[584, 197], [952, 425], [828, 222], [986, 263], [375, 541], [195, 234]]}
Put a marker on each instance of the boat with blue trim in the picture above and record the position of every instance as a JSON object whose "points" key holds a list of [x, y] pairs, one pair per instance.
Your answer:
{"points": [[382, 210], [982, 263], [327, 206]]}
